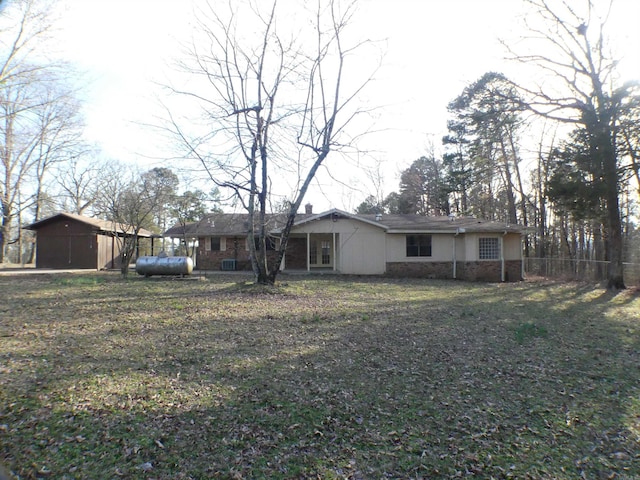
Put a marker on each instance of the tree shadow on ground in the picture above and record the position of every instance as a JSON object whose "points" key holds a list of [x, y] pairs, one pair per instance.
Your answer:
{"points": [[415, 379]]}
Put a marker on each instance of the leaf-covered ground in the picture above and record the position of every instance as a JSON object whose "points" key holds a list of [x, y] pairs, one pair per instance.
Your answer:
{"points": [[322, 377]]}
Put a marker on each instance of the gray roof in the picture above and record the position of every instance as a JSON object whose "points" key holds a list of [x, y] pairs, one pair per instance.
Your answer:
{"points": [[441, 224], [106, 226], [224, 224], [236, 224]]}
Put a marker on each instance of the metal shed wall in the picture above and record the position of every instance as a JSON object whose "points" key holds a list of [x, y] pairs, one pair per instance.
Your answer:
{"points": [[66, 244]]}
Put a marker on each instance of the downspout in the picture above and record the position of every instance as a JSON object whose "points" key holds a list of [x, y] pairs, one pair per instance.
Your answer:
{"points": [[521, 258], [455, 261], [334, 251], [502, 266]]}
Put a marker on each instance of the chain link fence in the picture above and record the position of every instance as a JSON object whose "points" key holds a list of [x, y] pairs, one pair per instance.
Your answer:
{"points": [[581, 270]]}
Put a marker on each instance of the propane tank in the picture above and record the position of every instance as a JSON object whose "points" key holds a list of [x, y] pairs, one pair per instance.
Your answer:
{"points": [[156, 265]]}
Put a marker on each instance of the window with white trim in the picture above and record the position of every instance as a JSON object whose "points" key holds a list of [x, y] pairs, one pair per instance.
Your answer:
{"points": [[418, 245], [489, 248], [326, 252]]}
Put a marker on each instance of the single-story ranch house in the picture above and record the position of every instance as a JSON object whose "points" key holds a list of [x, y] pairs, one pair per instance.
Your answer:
{"points": [[66, 240], [396, 245]]}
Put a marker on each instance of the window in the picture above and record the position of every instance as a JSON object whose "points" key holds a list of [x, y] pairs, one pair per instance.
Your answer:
{"points": [[215, 244], [326, 253], [418, 245], [489, 249]]}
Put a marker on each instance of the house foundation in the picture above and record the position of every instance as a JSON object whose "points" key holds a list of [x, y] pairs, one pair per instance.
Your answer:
{"points": [[484, 271]]}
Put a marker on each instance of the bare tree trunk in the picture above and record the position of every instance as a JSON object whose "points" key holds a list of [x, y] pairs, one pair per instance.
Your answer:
{"points": [[127, 253], [576, 54], [245, 102]]}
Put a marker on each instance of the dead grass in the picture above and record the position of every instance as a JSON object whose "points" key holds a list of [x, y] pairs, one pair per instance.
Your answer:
{"points": [[321, 377]]}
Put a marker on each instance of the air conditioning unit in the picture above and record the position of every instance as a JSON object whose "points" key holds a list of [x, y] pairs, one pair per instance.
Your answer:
{"points": [[228, 264]]}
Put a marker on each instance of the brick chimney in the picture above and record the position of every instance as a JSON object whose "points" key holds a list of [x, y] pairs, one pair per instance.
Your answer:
{"points": [[308, 209]]}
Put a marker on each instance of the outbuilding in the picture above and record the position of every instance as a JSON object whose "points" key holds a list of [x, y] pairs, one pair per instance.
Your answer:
{"points": [[66, 240]]}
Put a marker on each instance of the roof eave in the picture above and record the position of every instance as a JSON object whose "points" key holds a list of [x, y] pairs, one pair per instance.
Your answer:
{"points": [[420, 230], [456, 230], [321, 215]]}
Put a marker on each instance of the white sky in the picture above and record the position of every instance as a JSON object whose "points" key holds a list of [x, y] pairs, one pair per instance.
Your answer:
{"points": [[434, 48]]}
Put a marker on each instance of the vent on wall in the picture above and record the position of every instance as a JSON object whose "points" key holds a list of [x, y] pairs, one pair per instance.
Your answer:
{"points": [[228, 264]]}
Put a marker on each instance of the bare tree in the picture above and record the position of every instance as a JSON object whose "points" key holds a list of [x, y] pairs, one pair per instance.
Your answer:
{"points": [[276, 105], [540, 181], [34, 115], [58, 130], [78, 182], [569, 44], [629, 129], [22, 25], [57, 122], [132, 201]]}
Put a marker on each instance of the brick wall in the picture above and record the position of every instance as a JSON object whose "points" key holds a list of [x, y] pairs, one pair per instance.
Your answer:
{"points": [[489, 271], [485, 271], [212, 259], [420, 269], [513, 270], [296, 258]]}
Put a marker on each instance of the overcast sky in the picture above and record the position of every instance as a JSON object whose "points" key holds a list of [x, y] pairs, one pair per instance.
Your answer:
{"points": [[433, 49]]}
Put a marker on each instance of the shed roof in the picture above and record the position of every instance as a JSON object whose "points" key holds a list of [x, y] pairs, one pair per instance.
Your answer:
{"points": [[105, 226]]}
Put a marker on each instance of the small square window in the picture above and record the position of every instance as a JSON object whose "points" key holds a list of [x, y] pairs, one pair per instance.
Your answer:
{"points": [[489, 248]]}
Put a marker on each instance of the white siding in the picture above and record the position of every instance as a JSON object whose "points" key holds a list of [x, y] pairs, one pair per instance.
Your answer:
{"points": [[461, 252], [364, 249], [362, 253], [361, 247], [441, 248], [466, 248], [472, 246], [512, 246], [511, 243]]}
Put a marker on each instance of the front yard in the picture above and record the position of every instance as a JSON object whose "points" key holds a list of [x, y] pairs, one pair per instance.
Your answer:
{"points": [[322, 377]]}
